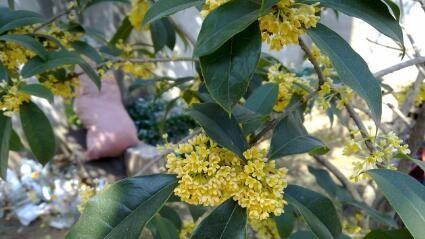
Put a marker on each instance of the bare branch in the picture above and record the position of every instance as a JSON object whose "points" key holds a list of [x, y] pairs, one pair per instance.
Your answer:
{"points": [[400, 66]]}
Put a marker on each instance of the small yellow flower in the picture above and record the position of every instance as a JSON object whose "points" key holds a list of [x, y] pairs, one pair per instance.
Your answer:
{"points": [[187, 229]]}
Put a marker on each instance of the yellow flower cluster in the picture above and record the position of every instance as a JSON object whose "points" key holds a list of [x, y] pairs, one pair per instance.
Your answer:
{"points": [[402, 95], [142, 70], [341, 93], [289, 85], [210, 5], [209, 174], [64, 37], [137, 13], [286, 22], [187, 229], [12, 55], [386, 147], [265, 229], [11, 98], [61, 87]]}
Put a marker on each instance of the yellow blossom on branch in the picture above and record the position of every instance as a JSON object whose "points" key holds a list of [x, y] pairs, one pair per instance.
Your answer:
{"points": [[187, 229], [11, 98], [209, 174], [286, 22], [265, 229], [137, 13]]}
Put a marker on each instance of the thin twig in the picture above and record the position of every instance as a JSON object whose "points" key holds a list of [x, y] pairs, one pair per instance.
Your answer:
{"points": [[313, 61], [53, 19], [397, 67], [340, 176], [363, 131]]}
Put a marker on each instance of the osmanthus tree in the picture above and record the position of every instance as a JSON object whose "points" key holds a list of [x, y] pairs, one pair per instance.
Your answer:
{"points": [[239, 97]]}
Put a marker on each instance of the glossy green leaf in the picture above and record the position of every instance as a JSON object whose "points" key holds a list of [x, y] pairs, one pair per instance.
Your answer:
{"points": [[351, 67], [325, 181], [15, 143], [171, 214], [38, 132], [406, 196], [124, 208], [163, 228], [13, 19], [196, 211], [28, 43], [220, 127], [285, 223], [376, 13], [164, 8], [260, 103], [11, 4], [303, 235], [290, 137], [227, 221], [123, 32], [56, 59], [163, 34], [5, 133], [38, 90], [225, 22], [392, 234], [317, 210], [3, 73], [228, 71], [394, 8], [88, 51]]}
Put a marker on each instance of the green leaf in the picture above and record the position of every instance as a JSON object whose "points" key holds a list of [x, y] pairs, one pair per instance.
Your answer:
{"points": [[286, 222], [325, 181], [13, 19], [123, 32], [220, 127], [196, 211], [224, 22], [164, 8], [163, 34], [56, 59], [290, 137], [124, 208], [27, 42], [351, 67], [406, 196], [5, 133], [15, 143], [228, 71], [3, 73], [87, 50], [376, 13], [317, 210], [394, 9], [38, 132], [171, 214], [11, 4], [260, 103], [392, 234], [38, 90], [226, 221], [303, 235], [164, 228]]}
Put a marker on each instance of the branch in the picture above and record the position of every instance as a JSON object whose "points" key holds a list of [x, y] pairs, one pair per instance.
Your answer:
{"points": [[313, 61], [53, 19], [400, 66], [340, 176], [363, 131]]}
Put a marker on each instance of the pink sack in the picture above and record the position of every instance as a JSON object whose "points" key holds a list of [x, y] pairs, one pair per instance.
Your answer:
{"points": [[110, 129]]}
